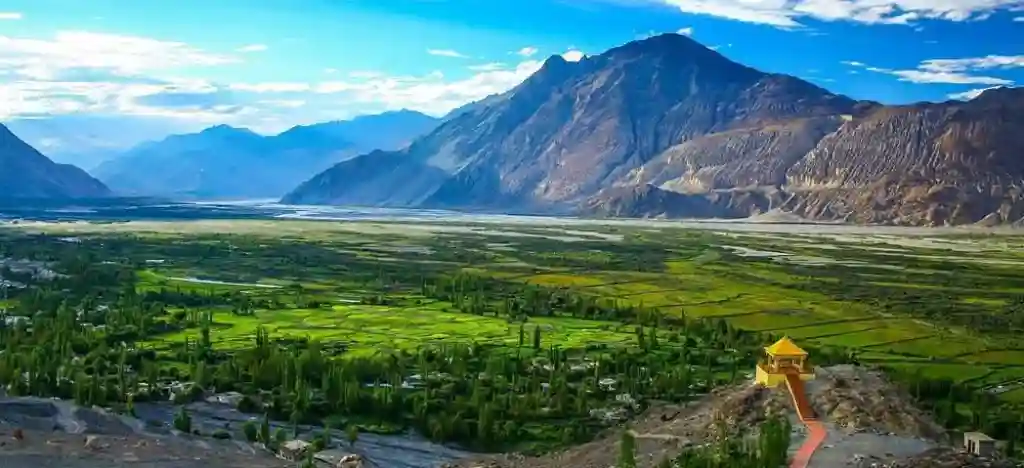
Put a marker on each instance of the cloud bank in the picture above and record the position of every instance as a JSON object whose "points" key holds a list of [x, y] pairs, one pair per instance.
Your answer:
{"points": [[789, 13]]}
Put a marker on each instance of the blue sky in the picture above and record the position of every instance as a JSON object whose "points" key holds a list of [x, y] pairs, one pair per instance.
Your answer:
{"points": [[128, 70]]}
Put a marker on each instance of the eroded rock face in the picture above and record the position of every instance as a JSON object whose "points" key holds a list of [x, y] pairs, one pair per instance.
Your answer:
{"points": [[613, 133], [573, 129], [931, 164]]}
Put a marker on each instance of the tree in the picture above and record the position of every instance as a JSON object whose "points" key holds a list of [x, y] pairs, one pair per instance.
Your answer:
{"points": [[325, 436], [352, 433], [627, 450], [250, 431], [536, 337], [264, 433], [280, 436], [309, 462], [182, 421]]}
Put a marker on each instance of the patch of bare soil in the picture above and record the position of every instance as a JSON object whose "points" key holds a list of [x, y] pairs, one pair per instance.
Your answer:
{"points": [[861, 399], [42, 433], [36, 449], [948, 458]]}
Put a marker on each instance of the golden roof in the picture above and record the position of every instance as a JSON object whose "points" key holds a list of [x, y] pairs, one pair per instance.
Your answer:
{"points": [[785, 347]]}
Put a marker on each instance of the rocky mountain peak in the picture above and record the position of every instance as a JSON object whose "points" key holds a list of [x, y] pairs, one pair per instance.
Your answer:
{"points": [[665, 126], [1000, 96]]}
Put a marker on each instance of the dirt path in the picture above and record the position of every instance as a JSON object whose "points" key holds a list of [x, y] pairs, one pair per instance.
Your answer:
{"points": [[816, 434]]}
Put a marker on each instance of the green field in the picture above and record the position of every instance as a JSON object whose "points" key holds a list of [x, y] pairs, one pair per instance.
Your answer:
{"points": [[370, 329], [843, 301], [945, 307]]}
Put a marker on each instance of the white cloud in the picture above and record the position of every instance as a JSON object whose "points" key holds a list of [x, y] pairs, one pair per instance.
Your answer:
{"points": [[253, 48], [924, 76], [773, 12], [853, 63], [286, 103], [90, 74], [527, 51], [687, 31], [979, 63], [787, 13], [573, 55], [487, 66], [272, 87], [430, 93], [953, 71], [446, 53], [971, 94], [1019, 19], [77, 51], [77, 71], [10, 15]]}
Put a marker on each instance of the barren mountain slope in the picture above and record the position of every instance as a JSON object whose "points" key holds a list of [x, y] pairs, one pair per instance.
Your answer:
{"points": [[666, 112], [949, 163], [572, 129], [926, 164], [25, 173]]}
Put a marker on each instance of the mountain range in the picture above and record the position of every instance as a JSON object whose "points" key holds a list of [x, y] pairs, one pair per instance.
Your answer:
{"points": [[665, 127], [26, 173], [228, 162], [660, 127]]}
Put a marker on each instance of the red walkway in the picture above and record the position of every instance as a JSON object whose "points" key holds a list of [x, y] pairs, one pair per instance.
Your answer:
{"points": [[815, 430]]}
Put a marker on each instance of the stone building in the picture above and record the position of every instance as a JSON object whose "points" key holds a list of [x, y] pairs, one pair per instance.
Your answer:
{"points": [[979, 444]]}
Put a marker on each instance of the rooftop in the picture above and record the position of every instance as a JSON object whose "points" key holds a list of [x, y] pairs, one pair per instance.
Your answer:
{"points": [[981, 436], [785, 347]]}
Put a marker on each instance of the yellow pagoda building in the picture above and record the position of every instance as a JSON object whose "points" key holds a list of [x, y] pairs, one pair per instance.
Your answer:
{"points": [[783, 359]]}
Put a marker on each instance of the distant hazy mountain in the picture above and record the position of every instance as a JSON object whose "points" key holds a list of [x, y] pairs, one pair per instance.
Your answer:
{"points": [[26, 173], [667, 127], [87, 140], [226, 162], [387, 131]]}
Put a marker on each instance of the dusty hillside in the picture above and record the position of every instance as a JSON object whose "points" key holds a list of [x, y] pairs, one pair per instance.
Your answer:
{"points": [[870, 421], [38, 433], [667, 112], [572, 129]]}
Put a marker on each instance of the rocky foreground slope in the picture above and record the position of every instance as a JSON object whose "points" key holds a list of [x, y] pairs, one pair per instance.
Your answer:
{"points": [[870, 423], [25, 173], [667, 127], [38, 433]]}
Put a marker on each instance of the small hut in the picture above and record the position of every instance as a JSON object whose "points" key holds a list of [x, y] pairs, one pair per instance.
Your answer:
{"points": [[979, 444]]}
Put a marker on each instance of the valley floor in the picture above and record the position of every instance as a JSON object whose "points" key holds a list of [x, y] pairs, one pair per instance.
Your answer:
{"points": [[939, 305]]}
